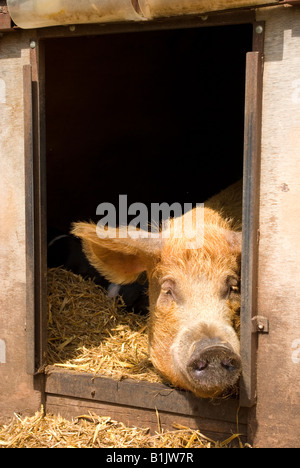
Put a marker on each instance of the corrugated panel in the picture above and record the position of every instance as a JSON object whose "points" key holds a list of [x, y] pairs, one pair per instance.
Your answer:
{"points": [[41, 13]]}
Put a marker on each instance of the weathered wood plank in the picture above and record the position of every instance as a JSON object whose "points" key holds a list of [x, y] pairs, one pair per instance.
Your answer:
{"points": [[17, 389], [175, 22], [71, 408], [140, 394]]}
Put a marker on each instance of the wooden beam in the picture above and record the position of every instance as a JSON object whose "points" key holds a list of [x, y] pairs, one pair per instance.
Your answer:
{"points": [[68, 393]]}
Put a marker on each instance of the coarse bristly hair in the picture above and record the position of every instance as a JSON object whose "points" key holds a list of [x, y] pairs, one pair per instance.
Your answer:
{"points": [[218, 252]]}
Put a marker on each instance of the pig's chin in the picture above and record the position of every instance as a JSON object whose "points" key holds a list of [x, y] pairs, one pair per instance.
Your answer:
{"points": [[208, 387]]}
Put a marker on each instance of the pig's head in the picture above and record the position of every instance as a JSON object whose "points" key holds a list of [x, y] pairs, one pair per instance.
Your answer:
{"points": [[194, 299]]}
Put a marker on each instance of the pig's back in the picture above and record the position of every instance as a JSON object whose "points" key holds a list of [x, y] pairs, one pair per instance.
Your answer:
{"points": [[228, 203]]}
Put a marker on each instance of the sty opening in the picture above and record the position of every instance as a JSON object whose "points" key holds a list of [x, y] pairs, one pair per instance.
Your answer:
{"points": [[157, 116]]}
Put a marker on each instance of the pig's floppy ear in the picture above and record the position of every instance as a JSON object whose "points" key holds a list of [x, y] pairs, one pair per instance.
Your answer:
{"points": [[119, 258]]}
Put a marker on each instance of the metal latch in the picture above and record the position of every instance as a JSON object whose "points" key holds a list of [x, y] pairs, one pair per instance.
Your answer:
{"points": [[260, 324]]}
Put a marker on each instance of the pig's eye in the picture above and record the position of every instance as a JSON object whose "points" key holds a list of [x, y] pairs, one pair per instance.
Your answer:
{"points": [[167, 289], [168, 292], [232, 286]]}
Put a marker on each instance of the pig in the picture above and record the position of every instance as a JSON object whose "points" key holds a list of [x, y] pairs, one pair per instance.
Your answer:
{"points": [[194, 293]]}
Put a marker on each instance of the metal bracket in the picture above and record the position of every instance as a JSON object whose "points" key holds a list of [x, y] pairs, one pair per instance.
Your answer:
{"points": [[260, 324]]}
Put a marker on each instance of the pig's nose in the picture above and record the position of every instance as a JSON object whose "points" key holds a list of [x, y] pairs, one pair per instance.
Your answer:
{"points": [[214, 363]]}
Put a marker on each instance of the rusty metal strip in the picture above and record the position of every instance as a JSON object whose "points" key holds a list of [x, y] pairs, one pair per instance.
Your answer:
{"points": [[29, 214], [35, 167], [40, 210], [252, 145]]}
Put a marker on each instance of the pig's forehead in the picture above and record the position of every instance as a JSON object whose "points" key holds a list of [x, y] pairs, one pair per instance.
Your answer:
{"points": [[196, 264]]}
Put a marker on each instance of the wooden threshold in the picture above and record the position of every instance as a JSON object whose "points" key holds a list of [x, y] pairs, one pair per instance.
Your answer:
{"points": [[138, 403]]}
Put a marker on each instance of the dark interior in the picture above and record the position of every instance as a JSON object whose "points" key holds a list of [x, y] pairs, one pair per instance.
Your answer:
{"points": [[155, 115]]}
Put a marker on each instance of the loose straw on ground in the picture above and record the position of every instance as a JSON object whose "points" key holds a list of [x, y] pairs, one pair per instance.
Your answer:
{"points": [[92, 431], [90, 332]]}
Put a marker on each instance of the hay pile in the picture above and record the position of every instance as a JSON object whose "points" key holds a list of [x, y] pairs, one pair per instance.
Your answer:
{"points": [[92, 431], [87, 331]]}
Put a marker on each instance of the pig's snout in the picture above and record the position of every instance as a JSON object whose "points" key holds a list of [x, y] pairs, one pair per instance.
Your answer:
{"points": [[214, 365]]}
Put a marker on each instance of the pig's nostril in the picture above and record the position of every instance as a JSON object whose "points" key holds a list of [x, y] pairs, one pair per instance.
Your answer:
{"points": [[229, 365], [199, 365]]}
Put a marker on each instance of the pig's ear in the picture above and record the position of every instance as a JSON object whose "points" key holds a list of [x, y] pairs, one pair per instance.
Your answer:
{"points": [[234, 239], [118, 257]]}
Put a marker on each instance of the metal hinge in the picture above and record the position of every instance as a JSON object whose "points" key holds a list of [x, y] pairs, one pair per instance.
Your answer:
{"points": [[260, 324]]}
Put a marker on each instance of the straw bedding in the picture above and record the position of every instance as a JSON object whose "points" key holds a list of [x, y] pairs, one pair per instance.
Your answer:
{"points": [[87, 331], [92, 431]]}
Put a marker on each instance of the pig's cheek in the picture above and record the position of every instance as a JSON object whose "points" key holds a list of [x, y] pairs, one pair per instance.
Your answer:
{"points": [[163, 330], [180, 350], [233, 339]]}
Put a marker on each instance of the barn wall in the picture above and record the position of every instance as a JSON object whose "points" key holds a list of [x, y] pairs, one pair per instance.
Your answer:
{"points": [[16, 387], [276, 422]]}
